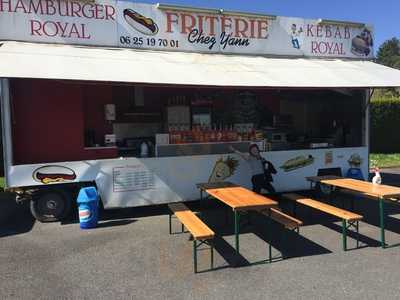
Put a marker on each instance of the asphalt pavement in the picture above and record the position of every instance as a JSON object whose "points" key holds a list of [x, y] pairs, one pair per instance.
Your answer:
{"points": [[132, 256]]}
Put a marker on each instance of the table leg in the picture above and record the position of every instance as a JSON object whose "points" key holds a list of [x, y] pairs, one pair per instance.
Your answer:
{"points": [[382, 222], [195, 256], [237, 224]]}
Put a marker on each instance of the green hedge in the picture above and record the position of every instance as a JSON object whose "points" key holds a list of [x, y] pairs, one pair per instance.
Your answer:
{"points": [[385, 125]]}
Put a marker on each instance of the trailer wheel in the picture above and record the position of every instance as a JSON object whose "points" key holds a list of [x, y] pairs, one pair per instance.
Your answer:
{"points": [[51, 205]]}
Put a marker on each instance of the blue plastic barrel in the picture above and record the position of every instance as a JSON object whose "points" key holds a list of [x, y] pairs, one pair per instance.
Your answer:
{"points": [[88, 206]]}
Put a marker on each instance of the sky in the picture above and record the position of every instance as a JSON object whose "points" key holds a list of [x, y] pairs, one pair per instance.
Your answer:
{"points": [[383, 15]]}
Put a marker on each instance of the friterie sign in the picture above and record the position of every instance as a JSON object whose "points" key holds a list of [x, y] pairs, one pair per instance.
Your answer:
{"points": [[134, 25]]}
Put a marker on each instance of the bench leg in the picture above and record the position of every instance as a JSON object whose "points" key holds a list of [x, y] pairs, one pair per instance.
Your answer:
{"points": [[170, 223], [344, 235], [195, 255], [358, 234], [382, 222], [183, 228], [237, 220], [212, 253]]}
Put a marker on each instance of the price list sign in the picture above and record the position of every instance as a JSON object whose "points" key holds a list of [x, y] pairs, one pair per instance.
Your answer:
{"points": [[132, 178]]}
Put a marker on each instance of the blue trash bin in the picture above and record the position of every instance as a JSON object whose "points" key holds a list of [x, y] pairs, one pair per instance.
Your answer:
{"points": [[88, 206]]}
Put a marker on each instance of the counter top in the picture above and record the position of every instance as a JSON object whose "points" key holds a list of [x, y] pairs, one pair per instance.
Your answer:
{"points": [[100, 147]]}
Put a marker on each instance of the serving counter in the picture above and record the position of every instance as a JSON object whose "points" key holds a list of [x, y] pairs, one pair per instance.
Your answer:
{"points": [[189, 149]]}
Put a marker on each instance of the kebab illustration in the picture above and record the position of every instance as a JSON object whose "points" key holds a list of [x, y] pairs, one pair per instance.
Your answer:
{"points": [[53, 174], [362, 43], [223, 169], [297, 163], [140, 23]]}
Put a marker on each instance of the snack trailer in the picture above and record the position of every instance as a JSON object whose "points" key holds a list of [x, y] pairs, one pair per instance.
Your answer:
{"points": [[144, 101]]}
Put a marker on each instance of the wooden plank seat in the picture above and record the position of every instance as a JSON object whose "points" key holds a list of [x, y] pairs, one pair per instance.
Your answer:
{"points": [[280, 217], [201, 232], [349, 219]]}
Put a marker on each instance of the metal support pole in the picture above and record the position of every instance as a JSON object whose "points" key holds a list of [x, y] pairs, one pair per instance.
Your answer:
{"points": [[344, 236], [382, 222], [195, 256], [237, 224], [170, 223]]}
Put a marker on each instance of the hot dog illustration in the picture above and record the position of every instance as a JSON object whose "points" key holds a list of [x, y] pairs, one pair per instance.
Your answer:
{"points": [[140, 23], [297, 163], [53, 174]]}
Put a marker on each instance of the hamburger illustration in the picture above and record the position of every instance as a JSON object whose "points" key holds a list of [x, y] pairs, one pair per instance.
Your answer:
{"points": [[140, 23], [297, 163], [53, 174], [362, 43]]}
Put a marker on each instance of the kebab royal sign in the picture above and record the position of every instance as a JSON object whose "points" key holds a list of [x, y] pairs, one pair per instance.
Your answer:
{"points": [[142, 26]]}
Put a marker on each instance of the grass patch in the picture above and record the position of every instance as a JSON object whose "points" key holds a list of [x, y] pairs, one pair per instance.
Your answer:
{"points": [[384, 160], [2, 182]]}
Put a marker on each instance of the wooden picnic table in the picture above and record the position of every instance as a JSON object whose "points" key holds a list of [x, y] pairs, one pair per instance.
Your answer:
{"points": [[380, 192], [238, 198]]}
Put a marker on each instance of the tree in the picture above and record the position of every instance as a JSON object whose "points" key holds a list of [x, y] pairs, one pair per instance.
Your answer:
{"points": [[389, 53]]}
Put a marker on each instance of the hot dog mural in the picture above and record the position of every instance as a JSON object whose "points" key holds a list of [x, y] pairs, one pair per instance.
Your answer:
{"points": [[297, 163], [54, 174]]}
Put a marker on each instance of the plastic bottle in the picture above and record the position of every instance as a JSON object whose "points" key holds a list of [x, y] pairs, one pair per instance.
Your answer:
{"points": [[377, 179]]}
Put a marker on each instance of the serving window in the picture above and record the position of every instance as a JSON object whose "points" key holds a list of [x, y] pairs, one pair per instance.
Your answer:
{"points": [[97, 121]]}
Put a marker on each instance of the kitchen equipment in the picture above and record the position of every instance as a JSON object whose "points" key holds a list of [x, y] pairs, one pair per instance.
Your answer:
{"points": [[110, 140], [275, 135], [144, 149], [162, 139], [178, 117], [109, 112]]}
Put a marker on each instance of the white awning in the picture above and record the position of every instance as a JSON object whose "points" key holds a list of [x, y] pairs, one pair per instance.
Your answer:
{"points": [[29, 60]]}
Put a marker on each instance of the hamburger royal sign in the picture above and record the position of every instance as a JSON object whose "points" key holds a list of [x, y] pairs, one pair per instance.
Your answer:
{"points": [[142, 26]]}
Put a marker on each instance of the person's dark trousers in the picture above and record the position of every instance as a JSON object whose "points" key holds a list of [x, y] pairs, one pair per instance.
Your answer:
{"points": [[259, 183]]}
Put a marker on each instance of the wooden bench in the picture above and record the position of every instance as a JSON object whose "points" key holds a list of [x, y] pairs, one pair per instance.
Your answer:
{"points": [[200, 231], [286, 220], [349, 219]]}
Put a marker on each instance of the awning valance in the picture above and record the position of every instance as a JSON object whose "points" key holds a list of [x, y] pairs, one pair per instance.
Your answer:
{"points": [[65, 62]]}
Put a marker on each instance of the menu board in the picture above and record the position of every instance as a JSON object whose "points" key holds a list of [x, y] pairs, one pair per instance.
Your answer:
{"points": [[132, 178]]}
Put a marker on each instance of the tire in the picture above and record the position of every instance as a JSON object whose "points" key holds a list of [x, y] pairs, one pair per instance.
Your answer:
{"points": [[51, 205]]}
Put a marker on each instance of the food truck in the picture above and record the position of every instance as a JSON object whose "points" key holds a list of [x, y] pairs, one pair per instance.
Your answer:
{"points": [[144, 101]]}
